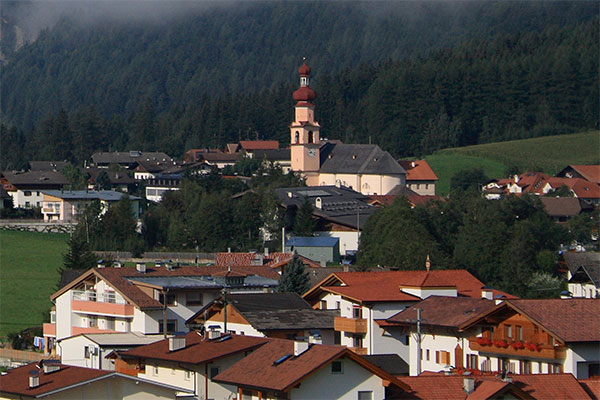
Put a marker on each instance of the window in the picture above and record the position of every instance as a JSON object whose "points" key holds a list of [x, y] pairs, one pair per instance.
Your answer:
{"points": [[188, 375], [171, 326], [472, 361], [171, 299], [442, 357], [338, 305], [193, 299], [27, 193], [92, 321], [27, 204], [357, 341], [356, 312], [323, 305], [508, 331], [296, 137], [519, 332], [337, 367], [310, 137], [86, 352], [337, 337], [52, 317], [365, 395], [142, 367], [214, 371], [155, 370], [427, 355], [110, 323], [556, 368], [525, 367]]}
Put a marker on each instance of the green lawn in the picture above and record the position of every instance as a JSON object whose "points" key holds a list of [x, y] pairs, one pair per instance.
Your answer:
{"points": [[548, 154], [29, 264]]}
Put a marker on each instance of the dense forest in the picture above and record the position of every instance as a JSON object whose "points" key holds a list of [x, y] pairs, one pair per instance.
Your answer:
{"points": [[515, 86], [412, 79]]}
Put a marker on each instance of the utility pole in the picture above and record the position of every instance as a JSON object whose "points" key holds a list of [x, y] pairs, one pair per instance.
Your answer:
{"points": [[224, 293]]}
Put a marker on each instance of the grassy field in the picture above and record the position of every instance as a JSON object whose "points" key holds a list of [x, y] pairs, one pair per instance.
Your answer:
{"points": [[548, 154], [29, 264]]}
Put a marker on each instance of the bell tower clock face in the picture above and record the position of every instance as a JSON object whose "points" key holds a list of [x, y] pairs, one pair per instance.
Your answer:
{"points": [[311, 152]]}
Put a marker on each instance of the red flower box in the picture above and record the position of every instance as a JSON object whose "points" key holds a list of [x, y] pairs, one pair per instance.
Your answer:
{"points": [[483, 341], [533, 346], [500, 343], [517, 345]]}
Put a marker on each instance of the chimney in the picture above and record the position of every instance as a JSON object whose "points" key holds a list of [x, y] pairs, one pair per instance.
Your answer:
{"points": [[499, 299], [300, 347], [315, 337], [290, 194], [229, 249], [51, 366], [34, 378], [100, 264], [141, 268], [319, 203], [469, 384], [266, 252], [323, 263], [428, 263], [117, 264], [176, 343], [413, 164], [346, 268], [486, 293]]}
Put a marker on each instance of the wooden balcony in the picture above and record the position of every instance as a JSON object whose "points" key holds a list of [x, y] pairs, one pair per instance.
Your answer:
{"points": [[547, 352], [351, 325], [363, 351], [99, 308], [49, 329]]}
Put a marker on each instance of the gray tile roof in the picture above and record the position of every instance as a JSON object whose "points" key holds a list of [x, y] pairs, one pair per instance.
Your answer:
{"points": [[340, 205], [272, 154], [574, 260], [358, 159], [47, 165], [106, 195], [267, 302], [36, 178], [203, 282], [290, 319], [128, 157], [123, 338], [391, 363]]}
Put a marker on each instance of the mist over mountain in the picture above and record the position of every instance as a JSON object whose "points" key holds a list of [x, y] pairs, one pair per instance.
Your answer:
{"points": [[115, 55]]}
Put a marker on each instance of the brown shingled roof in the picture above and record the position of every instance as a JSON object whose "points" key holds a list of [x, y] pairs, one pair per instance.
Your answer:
{"points": [[259, 370], [539, 386], [560, 316], [197, 349], [16, 381]]}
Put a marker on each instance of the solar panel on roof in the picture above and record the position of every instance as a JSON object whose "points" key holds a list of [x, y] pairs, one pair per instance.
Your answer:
{"points": [[313, 193]]}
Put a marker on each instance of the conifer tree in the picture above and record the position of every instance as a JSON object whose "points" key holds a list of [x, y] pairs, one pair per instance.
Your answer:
{"points": [[78, 255], [294, 277]]}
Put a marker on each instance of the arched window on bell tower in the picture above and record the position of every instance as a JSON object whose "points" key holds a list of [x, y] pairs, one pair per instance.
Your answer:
{"points": [[296, 137], [311, 138], [304, 81]]}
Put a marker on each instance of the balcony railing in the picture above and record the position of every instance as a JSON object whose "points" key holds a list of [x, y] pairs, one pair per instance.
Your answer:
{"points": [[76, 330], [351, 325], [546, 351], [109, 304], [51, 210]]}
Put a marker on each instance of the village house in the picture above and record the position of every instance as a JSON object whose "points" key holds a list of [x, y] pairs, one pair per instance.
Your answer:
{"points": [[147, 300], [159, 184], [54, 381], [339, 212], [189, 362], [299, 370], [274, 315], [66, 205], [117, 180], [276, 157], [90, 350], [420, 178], [365, 168], [26, 188], [319, 248], [540, 337], [582, 272], [363, 298], [590, 173]]}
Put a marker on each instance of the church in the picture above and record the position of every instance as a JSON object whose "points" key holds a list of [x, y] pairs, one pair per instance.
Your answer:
{"points": [[364, 168]]}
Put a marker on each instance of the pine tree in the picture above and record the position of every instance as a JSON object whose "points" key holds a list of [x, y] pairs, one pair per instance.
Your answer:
{"points": [[294, 277], [78, 255]]}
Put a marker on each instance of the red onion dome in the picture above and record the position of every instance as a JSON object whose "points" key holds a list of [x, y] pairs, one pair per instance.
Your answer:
{"points": [[304, 94], [304, 69]]}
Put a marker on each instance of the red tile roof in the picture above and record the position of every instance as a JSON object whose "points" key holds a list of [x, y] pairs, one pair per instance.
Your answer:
{"points": [[273, 260], [259, 144], [592, 387], [582, 188], [560, 316], [540, 386], [589, 172], [197, 349], [258, 370], [418, 170], [359, 285], [16, 381], [120, 279]]}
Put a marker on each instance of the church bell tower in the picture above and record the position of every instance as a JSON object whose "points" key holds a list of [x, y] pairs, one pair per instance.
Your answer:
{"points": [[304, 131]]}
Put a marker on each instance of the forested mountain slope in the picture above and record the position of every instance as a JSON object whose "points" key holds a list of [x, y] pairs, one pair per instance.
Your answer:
{"points": [[516, 85], [243, 47]]}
